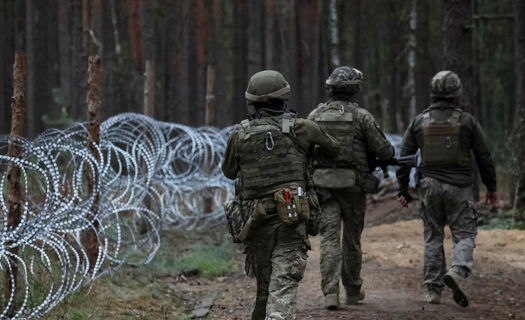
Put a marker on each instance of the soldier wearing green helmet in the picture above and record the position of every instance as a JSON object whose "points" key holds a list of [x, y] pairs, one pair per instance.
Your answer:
{"points": [[344, 179], [445, 136], [268, 155]]}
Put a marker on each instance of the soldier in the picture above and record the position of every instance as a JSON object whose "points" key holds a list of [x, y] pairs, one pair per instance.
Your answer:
{"points": [[446, 135], [344, 178], [268, 153]]}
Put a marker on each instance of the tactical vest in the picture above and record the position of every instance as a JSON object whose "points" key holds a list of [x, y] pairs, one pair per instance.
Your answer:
{"points": [[338, 119], [269, 159], [442, 146]]}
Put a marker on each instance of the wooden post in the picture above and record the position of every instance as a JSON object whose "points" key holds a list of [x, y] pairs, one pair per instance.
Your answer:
{"points": [[90, 240], [149, 89], [209, 121], [14, 216]]}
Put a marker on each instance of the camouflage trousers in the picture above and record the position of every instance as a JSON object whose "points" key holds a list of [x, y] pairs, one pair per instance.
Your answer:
{"points": [[442, 204], [350, 208], [276, 257]]}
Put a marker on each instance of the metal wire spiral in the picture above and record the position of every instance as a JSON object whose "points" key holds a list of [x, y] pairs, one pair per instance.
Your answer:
{"points": [[150, 174]]}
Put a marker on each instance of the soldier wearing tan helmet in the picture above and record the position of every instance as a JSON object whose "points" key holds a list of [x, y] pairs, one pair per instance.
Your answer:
{"points": [[268, 155], [445, 136], [343, 180]]}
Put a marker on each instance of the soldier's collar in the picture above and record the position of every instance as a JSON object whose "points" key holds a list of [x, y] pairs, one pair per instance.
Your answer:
{"points": [[443, 105], [342, 97]]}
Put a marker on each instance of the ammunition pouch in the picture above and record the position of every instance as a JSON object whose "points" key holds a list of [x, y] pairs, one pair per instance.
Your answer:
{"points": [[254, 222], [234, 217], [371, 184], [292, 209], [334, 178], [312, 227]]}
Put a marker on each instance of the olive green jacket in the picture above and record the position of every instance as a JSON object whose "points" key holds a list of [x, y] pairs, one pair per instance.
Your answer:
{"points": [[307, 133], [471, 134]]}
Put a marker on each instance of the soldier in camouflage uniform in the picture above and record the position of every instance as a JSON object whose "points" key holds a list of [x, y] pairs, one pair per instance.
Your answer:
{"points": [[268, 152], [446, 135], [343, 179]]}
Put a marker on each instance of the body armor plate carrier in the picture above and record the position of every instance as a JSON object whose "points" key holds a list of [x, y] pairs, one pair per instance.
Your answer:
{"points": [[338, 119], [442, 146], [269, 159]]}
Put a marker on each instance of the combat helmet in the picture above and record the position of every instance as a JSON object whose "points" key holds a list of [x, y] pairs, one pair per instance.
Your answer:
{"points": [[344, 79], [266, 85], [445, 84]]}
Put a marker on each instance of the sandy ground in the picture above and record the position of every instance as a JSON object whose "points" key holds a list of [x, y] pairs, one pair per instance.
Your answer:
{"points": [[392, 273]]}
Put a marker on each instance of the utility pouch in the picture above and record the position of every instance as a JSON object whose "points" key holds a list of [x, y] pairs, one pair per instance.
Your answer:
{"points": [[253, 223], [312, 227], [292, 208], [371, 184], [234, 216]]}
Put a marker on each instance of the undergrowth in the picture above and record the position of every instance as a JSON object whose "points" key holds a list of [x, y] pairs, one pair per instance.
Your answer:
{"points": [[502, 219]]}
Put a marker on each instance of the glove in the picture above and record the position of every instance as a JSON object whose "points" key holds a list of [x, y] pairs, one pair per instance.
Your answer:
{"points": [[404, 197], [491, 199]]}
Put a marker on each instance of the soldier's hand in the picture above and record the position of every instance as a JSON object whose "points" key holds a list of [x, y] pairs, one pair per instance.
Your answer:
{"points": [[491, 199], [404, 198]]}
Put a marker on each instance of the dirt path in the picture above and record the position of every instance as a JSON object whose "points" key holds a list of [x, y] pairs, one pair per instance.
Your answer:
{"points": [[392, 273]]}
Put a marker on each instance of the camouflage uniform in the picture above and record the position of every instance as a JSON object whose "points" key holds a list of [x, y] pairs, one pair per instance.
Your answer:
{"points": [[357, 134], [446, 189], [276, 254]]}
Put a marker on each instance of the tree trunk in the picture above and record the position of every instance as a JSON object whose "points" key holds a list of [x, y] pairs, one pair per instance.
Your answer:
{"points": [[201, 35], [269, 39], [423, 63], [519, 36], [412, 47], [224, 108], [4, 119], [78, 62], [256, 37], [107, 54], [457, 46], [149, 89], [90, 241], [85, 26], [64, 48], [14, 215], [136, 35], [334, 35], [174, 83], [307, 97], [38, 90], [240, 73]]}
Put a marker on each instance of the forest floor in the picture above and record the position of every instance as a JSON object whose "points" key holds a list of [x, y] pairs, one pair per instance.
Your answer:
{"points": [[392, 272]]}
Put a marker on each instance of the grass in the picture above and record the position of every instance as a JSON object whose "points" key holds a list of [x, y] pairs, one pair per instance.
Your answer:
{"points": [[150, 292], [502, 219]]}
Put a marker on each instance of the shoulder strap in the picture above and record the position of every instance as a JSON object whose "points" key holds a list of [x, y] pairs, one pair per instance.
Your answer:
{"points": [[456, 115], [244, 132], [426, 117]]}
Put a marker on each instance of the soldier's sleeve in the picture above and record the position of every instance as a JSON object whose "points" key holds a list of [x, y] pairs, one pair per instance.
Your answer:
{"points": [[311, 134], [408, 147], [484, 160], [230, 166], [375, 138]]}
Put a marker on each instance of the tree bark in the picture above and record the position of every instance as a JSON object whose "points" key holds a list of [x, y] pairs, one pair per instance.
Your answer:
{"points": [[85, 26], [201, 35], [4, 119], [108, 56], [334, 35], [64, 48], [519, 36], [90, 241], [423, 63], [412, 47], [256, 37], [209, 122], [136, 35], [14, 215], [38, 90], [78, 61], [307, 97], [240, 44], [149, 89], [457, 46], [224, 108], [269, 39]]}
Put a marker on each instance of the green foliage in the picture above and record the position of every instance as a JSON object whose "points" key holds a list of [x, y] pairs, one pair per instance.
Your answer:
{"points": [[63, 121], [500, 220]]}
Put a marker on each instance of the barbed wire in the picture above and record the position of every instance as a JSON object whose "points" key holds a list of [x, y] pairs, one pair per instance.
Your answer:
{"points": [[150, 174]]}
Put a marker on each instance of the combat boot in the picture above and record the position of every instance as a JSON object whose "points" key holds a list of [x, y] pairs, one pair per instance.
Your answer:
{"points": [[353, 300], [433, 297], [331, 301], [454, 281]]}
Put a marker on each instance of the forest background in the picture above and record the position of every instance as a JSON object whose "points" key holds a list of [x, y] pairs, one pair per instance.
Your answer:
{"points": [[399, 46]]}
